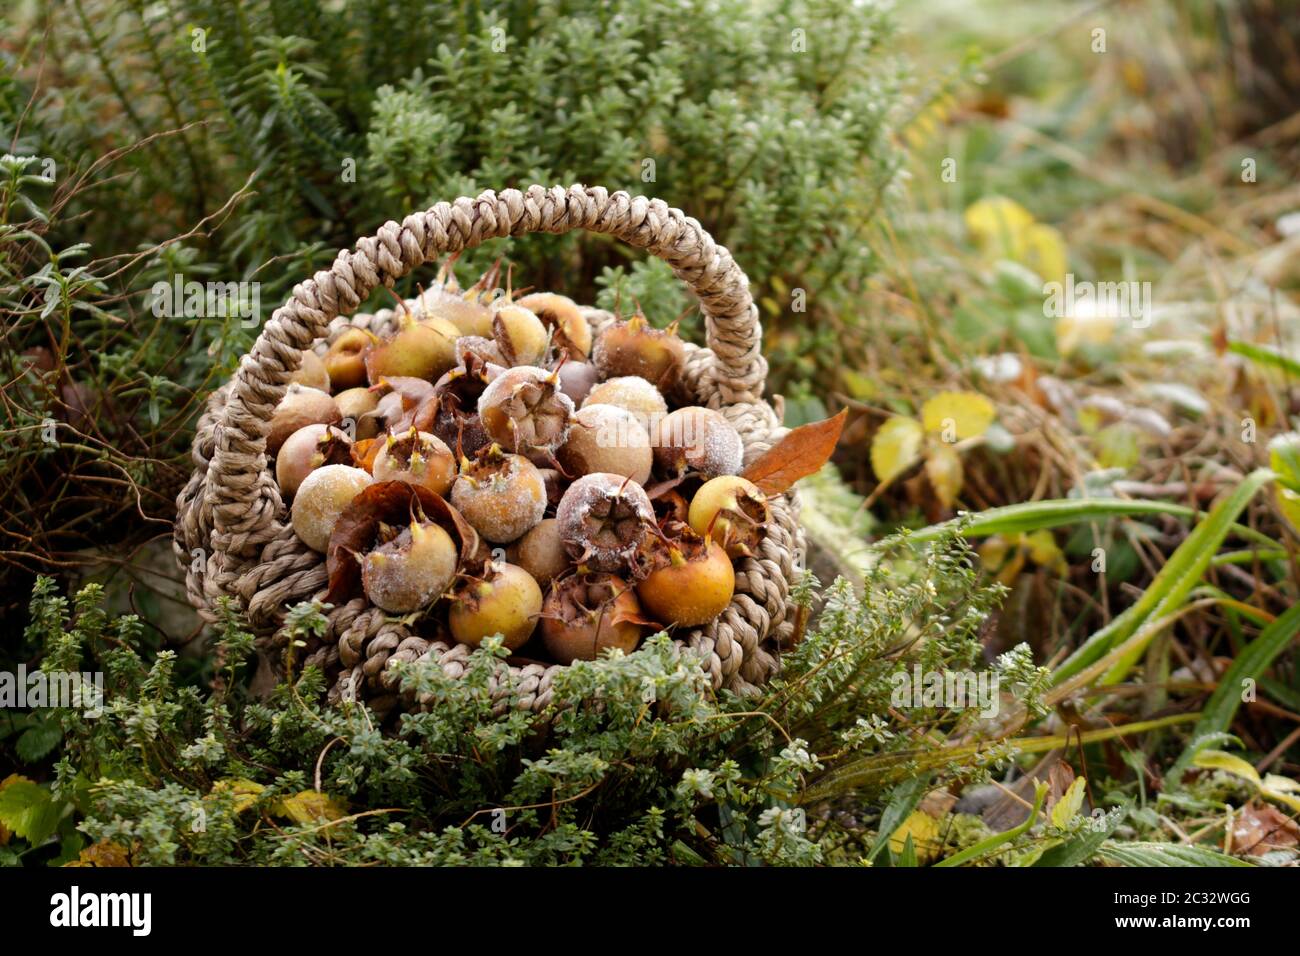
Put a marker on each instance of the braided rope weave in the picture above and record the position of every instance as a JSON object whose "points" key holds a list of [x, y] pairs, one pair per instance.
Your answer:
{"points": [[232, 528]]}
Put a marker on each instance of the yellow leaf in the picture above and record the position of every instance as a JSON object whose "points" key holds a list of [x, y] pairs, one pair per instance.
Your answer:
{"points": [[245, 792], [1044, 551], [862, 387], [103, 853], [1045, 252], [943, 468], [924, 831], [1119, 446], [310, 806], [1288, 503], [993, 552], [997, 226], [1069, 803], [5, 832], [895, 447], [958, 415], [1282, 789], [1229, 763]]}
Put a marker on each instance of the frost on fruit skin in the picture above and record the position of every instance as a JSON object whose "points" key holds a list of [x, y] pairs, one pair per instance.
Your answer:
{"points": [[610, 439], [411, 571], [634, 394], [604, 518], [418, 458], [320, 500], [482, 347], [524, 410], [697, 439], [501, 495]]}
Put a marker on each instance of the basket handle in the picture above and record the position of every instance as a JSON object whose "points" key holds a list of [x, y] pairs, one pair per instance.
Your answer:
{"points": [[241, 493]]}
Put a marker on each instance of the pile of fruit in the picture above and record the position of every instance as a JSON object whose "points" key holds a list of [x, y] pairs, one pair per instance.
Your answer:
{"points": [[490, 468]]}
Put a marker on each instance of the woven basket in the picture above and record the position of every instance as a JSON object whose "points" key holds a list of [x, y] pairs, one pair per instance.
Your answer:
{"points": [[232, 529]]}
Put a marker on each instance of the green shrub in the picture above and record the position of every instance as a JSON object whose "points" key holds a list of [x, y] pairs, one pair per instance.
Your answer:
{"points": [[648, 767]]}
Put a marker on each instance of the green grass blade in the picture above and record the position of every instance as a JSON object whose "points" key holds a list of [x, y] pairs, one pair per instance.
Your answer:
{"points": [[1265, 356], [1254, 659], [1166, 854], [1181, 573], [1061, 512]]}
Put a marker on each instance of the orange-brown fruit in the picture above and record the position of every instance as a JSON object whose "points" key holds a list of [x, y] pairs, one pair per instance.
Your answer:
{"points": [[732, 511], [585, 614], [637, 348], [569, 328], [345, 360], [507, 601], [690, 582], [519, 334], [359, 406], [416, 458], [457, 421], [309, 448]]}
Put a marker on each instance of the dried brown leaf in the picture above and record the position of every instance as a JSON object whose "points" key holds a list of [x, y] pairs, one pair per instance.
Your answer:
{"points": [[799, 454]]}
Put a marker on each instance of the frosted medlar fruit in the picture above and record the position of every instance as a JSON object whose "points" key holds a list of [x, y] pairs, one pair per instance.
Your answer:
{"points": [[610, 439], [345, 360], [523, 410], [691, 581], [416, 458], [560, 314], [311, 372], [320, 500], [634, 394], [484, 349], [540, 552], [501, 495], [603, 519], [637, 348], [732, 511], [586, 613], [412, 570], [300, 407], [507, 601], [307, 449], [417, 350], [698, 439]]}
